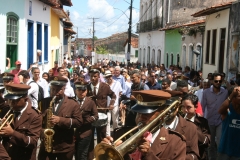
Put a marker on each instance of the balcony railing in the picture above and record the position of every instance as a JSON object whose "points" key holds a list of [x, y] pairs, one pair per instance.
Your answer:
{"points": [[149, 25]]}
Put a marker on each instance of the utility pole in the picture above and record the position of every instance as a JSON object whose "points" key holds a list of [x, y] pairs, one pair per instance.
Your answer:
{"points": [[93, 35], [129, 33]]}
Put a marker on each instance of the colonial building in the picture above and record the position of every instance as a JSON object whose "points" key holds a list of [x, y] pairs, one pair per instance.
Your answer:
{"points": [[151, 41], [169, 34], [27, 26], [217, 56]]}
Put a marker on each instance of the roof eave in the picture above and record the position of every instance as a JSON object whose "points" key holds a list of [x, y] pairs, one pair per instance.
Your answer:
{"points": [[212, 10]]}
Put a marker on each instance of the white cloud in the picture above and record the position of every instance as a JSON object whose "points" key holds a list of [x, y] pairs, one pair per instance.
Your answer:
{"points": [[75, 15], [109, 22], [100, 8]]}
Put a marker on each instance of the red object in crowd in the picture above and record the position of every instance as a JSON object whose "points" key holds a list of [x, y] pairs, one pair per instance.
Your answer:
{"points": [[199, 110]]}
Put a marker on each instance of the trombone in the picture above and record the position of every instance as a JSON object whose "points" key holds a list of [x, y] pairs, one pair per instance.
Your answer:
{"points": [[105, 151], [9, 118]]}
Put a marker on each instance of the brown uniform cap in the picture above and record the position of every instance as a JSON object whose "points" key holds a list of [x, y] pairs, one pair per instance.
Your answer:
{"points": [[58, 81], [16, 91], [149, 101], [94, 69], [81, 85], [7, 76]]}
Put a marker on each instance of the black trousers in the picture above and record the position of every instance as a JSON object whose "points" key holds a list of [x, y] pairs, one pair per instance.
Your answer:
{"points": [[101, 134], [81, 148], [43, 155]]}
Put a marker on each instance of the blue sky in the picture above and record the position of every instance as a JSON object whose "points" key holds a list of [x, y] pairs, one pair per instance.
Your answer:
{"points": [[111, 19]]}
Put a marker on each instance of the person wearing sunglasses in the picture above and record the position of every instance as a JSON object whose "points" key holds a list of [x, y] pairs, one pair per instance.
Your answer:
{"points": [[212, 99], [89, 113]]}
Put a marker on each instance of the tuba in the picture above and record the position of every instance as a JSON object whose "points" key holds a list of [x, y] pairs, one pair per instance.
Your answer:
{"points": [[105, 151], [48, 131]]}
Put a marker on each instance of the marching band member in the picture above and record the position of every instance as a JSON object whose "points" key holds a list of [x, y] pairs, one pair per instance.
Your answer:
{"points": [[99, 92], [66, 116], [20, 138], [89, 112], [3, 153], [4, 107], [7, 79], [161, 144], [189, 106]]}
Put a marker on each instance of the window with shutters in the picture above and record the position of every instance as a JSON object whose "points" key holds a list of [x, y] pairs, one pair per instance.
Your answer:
{"points": [[12, 29]]}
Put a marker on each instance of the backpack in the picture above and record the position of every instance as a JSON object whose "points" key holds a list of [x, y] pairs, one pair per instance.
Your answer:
{"points": [[40, 92]]}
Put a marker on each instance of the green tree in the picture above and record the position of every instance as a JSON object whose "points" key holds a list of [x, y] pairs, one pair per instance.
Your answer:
{"points": [[102, 50]]}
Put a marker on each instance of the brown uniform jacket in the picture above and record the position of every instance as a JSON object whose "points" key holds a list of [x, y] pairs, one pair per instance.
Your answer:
{"points": [[101, 98], [4, 108], [168, 145], [3, 153], [23, 142], [203, 133], [70, 117], [189, 130], [89, 115]]}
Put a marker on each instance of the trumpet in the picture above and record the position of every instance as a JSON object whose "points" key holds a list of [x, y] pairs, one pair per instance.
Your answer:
{"points": [[105, 151], [8, 118]]}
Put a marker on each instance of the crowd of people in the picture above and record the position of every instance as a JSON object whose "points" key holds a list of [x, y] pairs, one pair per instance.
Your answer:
{"points": [[67, 106]]}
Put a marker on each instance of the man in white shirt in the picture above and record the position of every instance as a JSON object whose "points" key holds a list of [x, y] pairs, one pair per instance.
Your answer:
{"points": [[117, 89], [40, 81], [24, 78], [68, 90], [173, 85]]}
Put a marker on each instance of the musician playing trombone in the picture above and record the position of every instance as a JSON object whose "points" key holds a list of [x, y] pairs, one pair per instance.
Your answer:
{"points": [[20, 138], [161, 143]]}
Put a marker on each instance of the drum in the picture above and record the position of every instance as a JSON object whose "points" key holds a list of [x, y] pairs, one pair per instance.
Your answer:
{"points": [[102, 120]]}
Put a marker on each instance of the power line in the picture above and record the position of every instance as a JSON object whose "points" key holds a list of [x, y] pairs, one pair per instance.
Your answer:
{"points": [[112, 22], [109, 9], [145, 13]]}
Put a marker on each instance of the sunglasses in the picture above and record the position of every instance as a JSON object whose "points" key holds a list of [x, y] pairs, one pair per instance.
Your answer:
{"points": [[217, 81]]}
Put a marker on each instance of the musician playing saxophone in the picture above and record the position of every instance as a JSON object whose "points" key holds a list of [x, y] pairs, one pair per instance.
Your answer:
{"points": [[162, 143], [89, 112], [21, 136], [66, 116]]}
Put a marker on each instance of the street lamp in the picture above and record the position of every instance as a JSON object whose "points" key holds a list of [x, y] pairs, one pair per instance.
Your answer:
{"points": [[122, 12]]}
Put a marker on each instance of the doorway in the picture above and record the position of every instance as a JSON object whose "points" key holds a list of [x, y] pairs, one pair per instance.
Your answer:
{"points": [[222, 50], [30, 44]]}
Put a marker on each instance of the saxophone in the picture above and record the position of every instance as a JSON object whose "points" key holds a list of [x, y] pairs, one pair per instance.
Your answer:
{"points": [[48, 131]]}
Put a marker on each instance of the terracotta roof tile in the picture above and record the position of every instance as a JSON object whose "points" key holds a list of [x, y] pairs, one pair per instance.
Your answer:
{"points": [[213, 9], [179, 25], [69, 30], [134, 42], [60, 12]]}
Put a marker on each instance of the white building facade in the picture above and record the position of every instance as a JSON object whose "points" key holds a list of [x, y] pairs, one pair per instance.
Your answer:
{"points": [[215, 43], [151, 41], [25, 28]]}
